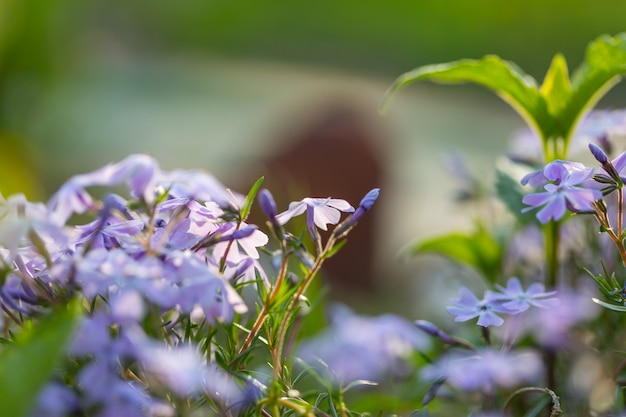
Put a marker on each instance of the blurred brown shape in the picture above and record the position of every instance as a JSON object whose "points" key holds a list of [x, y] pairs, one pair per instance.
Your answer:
{"points": [[333, 153]]}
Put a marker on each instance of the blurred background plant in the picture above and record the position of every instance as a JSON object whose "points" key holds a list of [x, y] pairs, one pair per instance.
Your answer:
{"points": [[229, 86]]}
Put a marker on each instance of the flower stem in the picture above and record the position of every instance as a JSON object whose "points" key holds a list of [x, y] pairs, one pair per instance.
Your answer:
{"points": [[552, 268], [266, 307], [556, 401], [552, 253]]}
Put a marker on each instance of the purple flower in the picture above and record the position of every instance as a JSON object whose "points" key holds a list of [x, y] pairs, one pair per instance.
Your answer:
{"points": [[199, 185], [55, 400], [552, 326], [517, 300], [139, 171], [564, 189], [321, 211], [485, 370], [468, 307], [357, 347]]}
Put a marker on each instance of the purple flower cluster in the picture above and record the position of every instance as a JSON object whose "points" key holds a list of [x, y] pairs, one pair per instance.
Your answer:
{"points": [[567, 186], [512, 299], [485, 369], [149, 264], [362, 348]]}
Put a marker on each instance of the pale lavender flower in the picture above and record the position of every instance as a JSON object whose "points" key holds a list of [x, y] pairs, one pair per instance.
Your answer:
{"points": [[359, 347], [181, 369], [248, 244], [199, 185], [517, 300], [468, 306], [321, 211], [551, 327], [198, 286], [55, 400], [139, 171], [19, 217], [565, 188], [486, 369]]}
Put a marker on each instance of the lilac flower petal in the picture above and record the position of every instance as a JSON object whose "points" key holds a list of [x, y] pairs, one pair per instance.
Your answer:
{"points": [[536, 199], [325, 215], [295, 209], [555, 209], [489, 319]]}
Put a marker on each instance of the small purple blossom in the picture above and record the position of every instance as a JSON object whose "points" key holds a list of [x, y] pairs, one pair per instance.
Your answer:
{"points": [[321, 211], [517, 300], [485, 370], [565, 188], [467, 307], [358, 347]]}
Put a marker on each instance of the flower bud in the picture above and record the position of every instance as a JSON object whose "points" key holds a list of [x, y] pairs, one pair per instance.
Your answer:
{"points": [[365, 205], [598, 153], [268, 206]]}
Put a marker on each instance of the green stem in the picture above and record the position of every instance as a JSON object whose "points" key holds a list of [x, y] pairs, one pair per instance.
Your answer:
{"points": [[266, 307], [551, 232], [552, 268]]}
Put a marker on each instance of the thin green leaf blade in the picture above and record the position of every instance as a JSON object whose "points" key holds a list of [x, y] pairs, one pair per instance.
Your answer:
{"points": [[27, 364], [504, 78], [613, 307], [247, 205]]}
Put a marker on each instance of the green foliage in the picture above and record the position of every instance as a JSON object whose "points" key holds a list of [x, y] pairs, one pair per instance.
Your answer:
{"points": [[510, 193], [553, 109], [27, 364], [247, 205], [478, 250], [509, 82]]}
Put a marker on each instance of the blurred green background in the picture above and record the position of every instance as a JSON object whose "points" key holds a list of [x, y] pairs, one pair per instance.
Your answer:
{"points": [[221, 84]]}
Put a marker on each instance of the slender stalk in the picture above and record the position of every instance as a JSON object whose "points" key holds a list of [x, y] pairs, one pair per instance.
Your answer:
{"points": [[620, 214], [291, 308], [556, 401], [266, 307], [294, 302], [552, 268], [551, 232]]}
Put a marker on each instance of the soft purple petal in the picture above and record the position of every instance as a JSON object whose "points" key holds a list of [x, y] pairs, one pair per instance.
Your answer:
{"points": [[324, 215], [488, 318], [555, 209], [296, 208]]}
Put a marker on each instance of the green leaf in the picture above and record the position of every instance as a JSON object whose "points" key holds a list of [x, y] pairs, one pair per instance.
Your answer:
{"points": [[510, 192], [358, 383], [556, 87], [478, 250], [247, 205], [504, 78], [605, 61], [610, 306], [26, 365]]}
